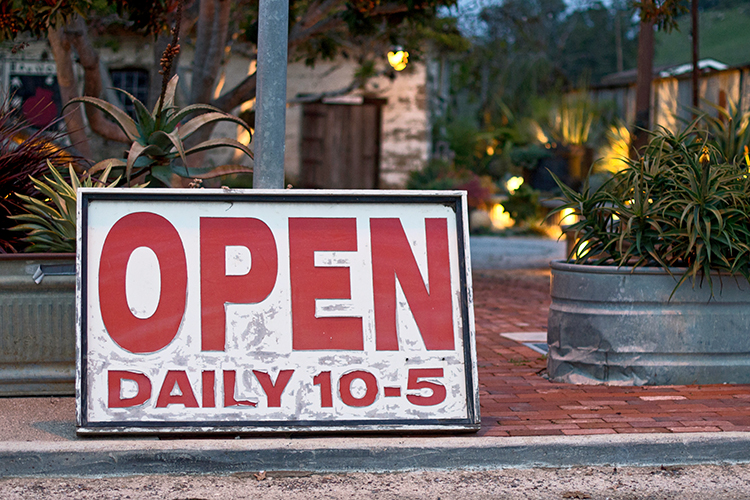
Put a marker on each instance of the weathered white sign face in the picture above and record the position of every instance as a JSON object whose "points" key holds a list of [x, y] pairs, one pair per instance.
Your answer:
{"points": [[252, 311]]}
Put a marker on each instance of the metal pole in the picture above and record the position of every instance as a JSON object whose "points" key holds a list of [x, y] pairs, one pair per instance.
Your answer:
{"points": [[643, 84], [696, 68], [270, 115]]}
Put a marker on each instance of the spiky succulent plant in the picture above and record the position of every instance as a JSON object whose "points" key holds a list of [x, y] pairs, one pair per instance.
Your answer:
{"points": [[681, 205], [50, 225], [159, 137]]}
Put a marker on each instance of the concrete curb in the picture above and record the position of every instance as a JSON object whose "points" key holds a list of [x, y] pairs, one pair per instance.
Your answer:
{"points": [[514, 252], [137, 457]]}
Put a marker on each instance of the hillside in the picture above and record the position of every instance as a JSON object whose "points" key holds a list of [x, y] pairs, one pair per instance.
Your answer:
{"points": [[724, 36]]}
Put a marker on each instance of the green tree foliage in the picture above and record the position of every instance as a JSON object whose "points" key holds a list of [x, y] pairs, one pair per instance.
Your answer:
{"points": [[591, 49], [535, 47], [530, 53], [23, 16]]}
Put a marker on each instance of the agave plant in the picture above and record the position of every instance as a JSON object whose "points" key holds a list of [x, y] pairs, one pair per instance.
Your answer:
{"points": [[159, 137], [680, 205], [51, 226]]}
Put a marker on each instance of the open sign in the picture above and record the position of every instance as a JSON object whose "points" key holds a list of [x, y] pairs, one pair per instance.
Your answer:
{"points": [[257, 311]]}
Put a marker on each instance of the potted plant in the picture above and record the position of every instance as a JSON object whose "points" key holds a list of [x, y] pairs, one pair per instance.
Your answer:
{"points": [[37, 290], [656, 289]]}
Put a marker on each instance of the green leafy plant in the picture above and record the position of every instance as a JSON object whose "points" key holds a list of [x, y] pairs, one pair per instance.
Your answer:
{"points": [[681, 205], [730, 131], [159, 138], [50, 225], [523, 205]]}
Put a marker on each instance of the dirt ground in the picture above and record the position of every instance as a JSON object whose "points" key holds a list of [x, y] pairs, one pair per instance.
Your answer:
{"points": [[685, 483]]}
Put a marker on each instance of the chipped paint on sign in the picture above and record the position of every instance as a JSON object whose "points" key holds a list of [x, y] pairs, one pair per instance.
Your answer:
{"points": [[249, 311]]}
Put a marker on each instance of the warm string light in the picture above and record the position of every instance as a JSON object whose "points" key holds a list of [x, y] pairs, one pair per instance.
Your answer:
{"points": [[398, 59], [513, 184]]}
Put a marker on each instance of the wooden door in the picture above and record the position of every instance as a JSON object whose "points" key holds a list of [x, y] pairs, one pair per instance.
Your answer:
{"points": [[341, 145]]}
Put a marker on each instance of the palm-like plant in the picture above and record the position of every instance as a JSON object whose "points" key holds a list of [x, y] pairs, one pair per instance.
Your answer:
{"points": [[159, 137], [680, 205]]}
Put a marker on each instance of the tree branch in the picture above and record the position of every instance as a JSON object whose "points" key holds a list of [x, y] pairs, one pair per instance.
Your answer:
{"points": [[67, 83], [314, 14], [212, 38], [206, 13], [321, 17], [243, 91], [92, 78], [331, 21]]}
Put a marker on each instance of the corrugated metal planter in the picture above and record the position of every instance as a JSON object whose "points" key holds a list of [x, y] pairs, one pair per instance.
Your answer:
{"points": [[618, 326], [37, 324]]}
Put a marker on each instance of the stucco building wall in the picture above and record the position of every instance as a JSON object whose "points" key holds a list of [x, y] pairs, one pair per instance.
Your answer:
{"points": [[405, 121]]}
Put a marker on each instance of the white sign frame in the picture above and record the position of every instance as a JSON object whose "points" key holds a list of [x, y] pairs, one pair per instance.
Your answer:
{"points": [[171, 370]]}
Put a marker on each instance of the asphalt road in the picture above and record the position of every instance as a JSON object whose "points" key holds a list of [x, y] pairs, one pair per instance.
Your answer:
{"points": [[629, 483]]}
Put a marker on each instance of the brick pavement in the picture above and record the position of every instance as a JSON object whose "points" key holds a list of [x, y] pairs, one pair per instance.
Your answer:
{"points": [[516, 399]]}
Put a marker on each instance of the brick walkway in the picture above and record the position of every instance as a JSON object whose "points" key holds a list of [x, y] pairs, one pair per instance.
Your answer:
{"points": [[516, 399]]}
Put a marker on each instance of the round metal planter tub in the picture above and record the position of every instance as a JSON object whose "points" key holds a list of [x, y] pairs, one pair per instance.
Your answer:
{"points": [[618, 326], [37, 324]]}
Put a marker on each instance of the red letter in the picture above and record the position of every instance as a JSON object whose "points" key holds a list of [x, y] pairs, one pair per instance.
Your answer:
{"points": [[273, 391], [134, 334], [115, 377], [345, 388], [217, 288], [438, 390], [230, 378], [392, 257], [306, 236], [208, 379], [186, 396], [323, 379]]}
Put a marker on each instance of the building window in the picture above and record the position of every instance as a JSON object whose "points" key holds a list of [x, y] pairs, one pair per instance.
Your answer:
{"points": [[133, 81]]}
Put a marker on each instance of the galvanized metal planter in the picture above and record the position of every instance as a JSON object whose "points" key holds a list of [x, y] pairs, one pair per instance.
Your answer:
{"points": [[37, 324], [619, 327]]}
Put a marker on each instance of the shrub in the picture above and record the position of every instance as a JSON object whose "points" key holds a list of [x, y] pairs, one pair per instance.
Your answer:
{"points": [[24, 152]]}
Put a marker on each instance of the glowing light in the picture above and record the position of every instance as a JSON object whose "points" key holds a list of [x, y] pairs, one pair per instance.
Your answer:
{"points": [[490, 150], [220, 85], [500, 218], [398, 60], [617, 149], [539, 133], [513, 184], [567, 212], [243, 135], [555, 232], [582, 249]]}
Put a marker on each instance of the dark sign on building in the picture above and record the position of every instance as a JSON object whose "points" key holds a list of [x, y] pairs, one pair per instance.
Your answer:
{"points": [[33, 90]]}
